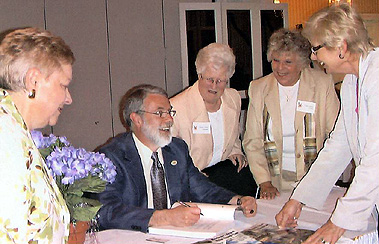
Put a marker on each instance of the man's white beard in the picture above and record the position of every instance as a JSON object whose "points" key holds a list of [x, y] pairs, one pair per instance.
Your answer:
{"points": [[155, 136]]}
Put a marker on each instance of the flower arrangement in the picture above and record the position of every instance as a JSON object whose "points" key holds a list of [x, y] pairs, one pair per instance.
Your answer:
{"points": [[76, 171]]}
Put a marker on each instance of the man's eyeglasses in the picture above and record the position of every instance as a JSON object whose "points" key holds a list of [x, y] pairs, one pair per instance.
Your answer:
{"points": [[160, 113], [211, 80], [315, 49]]}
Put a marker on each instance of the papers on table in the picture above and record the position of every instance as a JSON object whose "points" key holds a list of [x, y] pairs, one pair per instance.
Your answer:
{"points": [[216, 219]]}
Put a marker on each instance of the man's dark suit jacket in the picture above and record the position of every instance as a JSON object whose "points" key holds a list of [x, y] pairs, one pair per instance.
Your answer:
{"points": [[125, 201]]}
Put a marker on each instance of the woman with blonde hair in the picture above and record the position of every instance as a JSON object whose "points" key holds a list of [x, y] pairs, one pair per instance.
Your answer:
{"points": [[35, 72], [341, 44]]}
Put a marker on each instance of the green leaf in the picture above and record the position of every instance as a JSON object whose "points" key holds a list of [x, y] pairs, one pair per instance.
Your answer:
{"points": [[81, 208], [89, 184], [45, 151]]}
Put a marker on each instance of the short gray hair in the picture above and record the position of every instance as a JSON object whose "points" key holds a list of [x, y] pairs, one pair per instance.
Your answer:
{"points": [[217, 54], [333, 25], [132, 101], [284, 40], [22, 49]]}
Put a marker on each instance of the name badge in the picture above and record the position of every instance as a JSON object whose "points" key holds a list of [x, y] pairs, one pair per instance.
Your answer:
{"points": [[201, 127], [306, 107]]}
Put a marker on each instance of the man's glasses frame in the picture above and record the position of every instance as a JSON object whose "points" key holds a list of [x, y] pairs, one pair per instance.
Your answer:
{"points": [[316, 48], [160, 113]]}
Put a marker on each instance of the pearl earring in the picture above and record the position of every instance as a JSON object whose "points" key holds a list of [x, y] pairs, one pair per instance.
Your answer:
{"points": [[32, 94]]}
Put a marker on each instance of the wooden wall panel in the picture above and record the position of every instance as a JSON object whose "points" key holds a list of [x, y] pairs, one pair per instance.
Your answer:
{"points": [[300, 10], [366, 6], [372, 25]]}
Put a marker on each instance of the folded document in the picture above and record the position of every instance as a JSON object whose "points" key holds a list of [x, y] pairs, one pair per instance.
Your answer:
{"points": [[216, 219]]}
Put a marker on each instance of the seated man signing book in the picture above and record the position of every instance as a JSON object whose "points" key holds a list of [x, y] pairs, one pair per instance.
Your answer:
{"points": [[154, 170]]}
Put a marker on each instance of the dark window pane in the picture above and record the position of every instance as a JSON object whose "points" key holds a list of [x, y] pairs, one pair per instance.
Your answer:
{"points": [[239, 39], [200, 32], [271, 21]]}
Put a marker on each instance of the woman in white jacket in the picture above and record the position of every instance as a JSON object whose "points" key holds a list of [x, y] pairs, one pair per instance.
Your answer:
{"points": [[340, 42]]}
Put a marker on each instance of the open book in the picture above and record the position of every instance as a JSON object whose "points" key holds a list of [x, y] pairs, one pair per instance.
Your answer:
{"points": [[216, 219]]}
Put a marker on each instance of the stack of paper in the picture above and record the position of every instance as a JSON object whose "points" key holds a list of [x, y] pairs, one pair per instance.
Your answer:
{"points": [[216, 219]]}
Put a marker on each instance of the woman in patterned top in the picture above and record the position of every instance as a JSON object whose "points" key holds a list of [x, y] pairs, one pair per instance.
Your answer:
{"points": [[35, 71]]}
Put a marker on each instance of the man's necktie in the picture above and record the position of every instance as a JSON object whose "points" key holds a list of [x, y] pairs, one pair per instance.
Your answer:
{"points": [[158, 183]]}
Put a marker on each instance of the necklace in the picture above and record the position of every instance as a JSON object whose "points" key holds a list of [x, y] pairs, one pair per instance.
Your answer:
{"points": [[288, 96], [289, 92]]}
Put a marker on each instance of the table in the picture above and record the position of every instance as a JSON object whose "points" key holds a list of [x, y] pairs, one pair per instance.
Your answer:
{"points": [[267, 209]]}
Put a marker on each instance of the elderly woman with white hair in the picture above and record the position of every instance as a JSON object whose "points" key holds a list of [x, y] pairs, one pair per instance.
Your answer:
{"points": [[291, 112], [208, 120]]}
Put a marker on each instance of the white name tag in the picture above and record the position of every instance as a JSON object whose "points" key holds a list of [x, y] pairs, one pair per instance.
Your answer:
{"points": [[201, 127], [306, 107]]}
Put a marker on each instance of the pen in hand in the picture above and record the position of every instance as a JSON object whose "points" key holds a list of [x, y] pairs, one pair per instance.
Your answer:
{"points": [[188, 206]]}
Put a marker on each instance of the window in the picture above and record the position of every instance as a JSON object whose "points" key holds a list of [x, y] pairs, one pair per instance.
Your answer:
{"points": [[246, 27]]}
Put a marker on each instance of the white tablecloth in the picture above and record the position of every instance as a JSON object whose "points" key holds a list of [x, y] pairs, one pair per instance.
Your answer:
{"points": [[267, 209]]}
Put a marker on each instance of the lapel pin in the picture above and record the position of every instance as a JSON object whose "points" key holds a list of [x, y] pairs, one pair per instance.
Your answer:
{"points": [[174, 162]]}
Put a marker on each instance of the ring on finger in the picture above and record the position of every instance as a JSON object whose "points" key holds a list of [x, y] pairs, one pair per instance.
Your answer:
{"points": [[323, 241]]}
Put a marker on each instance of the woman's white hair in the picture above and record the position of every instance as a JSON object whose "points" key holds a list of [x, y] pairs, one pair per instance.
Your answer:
{"points": [[218, 55]]}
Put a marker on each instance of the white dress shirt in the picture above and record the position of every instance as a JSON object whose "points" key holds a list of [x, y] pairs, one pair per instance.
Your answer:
{"points": [[145, 155], [217, 126]]}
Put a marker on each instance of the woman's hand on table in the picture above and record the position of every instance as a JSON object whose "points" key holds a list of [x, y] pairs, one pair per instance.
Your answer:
{"points": [[328, 233], [288, 215], [268, 191], [238, 159], [246, 204]]}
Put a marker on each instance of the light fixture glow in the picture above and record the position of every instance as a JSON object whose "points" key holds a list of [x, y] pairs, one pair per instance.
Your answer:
{"points": [[338, 2]]}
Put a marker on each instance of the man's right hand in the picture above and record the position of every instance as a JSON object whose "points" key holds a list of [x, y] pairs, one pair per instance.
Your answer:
{"points": [[178, 216], [287, 217], [268, 191]]}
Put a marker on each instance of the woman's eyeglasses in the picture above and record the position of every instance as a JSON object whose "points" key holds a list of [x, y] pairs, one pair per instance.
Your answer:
{"points": [[316, 48], [217, 81]]}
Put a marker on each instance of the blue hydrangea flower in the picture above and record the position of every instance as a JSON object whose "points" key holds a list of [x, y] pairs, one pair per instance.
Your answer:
{"points": [[72, 164], [68, 165]]}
